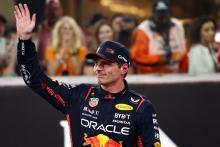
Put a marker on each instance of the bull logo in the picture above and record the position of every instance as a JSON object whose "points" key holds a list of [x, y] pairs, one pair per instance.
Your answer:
{"points": [[100, 141]]}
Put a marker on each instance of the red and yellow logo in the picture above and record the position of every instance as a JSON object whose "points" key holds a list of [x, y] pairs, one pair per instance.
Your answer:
{"points": [[100, 141]]}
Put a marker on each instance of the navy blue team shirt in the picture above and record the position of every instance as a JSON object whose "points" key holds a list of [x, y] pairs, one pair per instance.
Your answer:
{"points": [[96, 117]]}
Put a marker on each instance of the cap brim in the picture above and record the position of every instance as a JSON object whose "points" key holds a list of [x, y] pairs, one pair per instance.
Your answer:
{"points": [[95, 56]]}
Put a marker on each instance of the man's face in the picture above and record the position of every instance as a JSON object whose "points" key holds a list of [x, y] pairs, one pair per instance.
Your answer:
{"points": [[162, 17], [108, 72], [54, 12]]}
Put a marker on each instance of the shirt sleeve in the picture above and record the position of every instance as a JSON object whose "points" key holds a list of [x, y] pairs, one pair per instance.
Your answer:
{"points": [[57, 94], [147, 126]]}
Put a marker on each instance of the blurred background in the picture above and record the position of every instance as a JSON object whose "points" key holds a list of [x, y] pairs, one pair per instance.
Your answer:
{"points": [[94, 21], [82, 10], [175, 61]]}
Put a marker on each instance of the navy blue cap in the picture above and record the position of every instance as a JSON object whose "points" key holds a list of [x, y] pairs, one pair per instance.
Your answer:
{"points": [[111, 51]]}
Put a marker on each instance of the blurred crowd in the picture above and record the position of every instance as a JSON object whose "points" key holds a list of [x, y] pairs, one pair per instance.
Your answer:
{"points": [[158, 45]]}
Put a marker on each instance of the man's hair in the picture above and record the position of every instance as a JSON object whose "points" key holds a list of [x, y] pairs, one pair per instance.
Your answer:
{"points": [[120, 65]]}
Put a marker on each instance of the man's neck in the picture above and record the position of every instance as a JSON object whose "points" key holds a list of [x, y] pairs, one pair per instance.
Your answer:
{"points": [[114, 87]]}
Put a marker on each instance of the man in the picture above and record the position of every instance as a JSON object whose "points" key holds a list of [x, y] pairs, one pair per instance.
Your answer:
{"points": [[105, 115], [158, 43]]}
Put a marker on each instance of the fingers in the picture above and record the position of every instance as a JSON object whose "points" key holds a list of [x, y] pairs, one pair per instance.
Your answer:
{"points": [[33, 20], [27, 12], [18, 13], [21, 9]]}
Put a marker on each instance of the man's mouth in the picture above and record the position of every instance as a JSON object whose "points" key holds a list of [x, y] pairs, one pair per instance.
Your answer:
{"points": [[101, 75]]}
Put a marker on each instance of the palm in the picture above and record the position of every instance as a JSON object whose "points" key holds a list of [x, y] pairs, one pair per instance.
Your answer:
{"points": [[24, 23]]}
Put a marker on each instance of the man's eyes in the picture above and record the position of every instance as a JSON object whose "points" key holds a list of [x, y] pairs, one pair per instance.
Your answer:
{"points": [[107, 63], [104, 63]]}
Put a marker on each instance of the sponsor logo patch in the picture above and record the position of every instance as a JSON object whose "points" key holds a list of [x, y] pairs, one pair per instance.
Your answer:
{"points": [[134, 101], [22, 49], [101, 141], [109, 50], [93, 102], [25, 73], [157, 144], [109, 128], [121, 119], [122, 58], [93, 112], [123, 107]]}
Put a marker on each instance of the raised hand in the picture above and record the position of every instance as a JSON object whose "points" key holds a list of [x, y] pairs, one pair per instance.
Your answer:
{"points": [[24, 23]]}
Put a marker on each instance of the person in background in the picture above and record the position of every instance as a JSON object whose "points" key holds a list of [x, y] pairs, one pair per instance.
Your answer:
{"points": [[116, 22], [3, 57], [102, 32], [124, 36], [3, 22], [158, 44], [11, 45], [216, 45], [89, 30], [53, 12], [218, 58], [66, 54], [202, 55]]}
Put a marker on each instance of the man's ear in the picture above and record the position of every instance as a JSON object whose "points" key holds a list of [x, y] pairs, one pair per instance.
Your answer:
{"points": [[124, 68]]}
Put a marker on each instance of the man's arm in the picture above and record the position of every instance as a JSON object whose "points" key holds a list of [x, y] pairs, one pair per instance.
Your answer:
{"points": [[147, 125], [55, 93]]}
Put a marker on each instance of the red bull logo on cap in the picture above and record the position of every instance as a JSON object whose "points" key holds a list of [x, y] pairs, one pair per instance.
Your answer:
{"points": [[100, 141]]}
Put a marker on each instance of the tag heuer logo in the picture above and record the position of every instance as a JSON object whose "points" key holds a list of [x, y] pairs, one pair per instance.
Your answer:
{"points": [[93, 102]]}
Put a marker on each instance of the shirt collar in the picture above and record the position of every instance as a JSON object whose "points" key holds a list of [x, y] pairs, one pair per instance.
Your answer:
{"points": [[111, 96]]}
